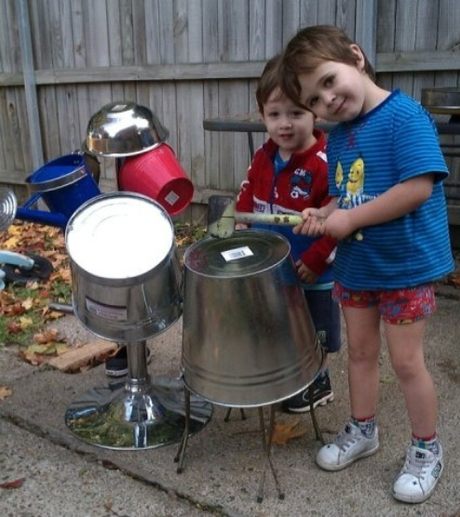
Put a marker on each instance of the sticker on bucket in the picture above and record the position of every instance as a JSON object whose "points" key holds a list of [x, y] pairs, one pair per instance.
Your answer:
{"points": [[108, 312], [172, 198], [237, 253]]}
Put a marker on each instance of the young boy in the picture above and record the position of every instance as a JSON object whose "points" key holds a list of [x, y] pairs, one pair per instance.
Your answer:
{"points": [[287, 175], [390, 218]]}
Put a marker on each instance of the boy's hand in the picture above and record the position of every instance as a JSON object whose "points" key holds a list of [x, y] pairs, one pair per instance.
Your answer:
{"points": [[305, 274], [241, 226]]}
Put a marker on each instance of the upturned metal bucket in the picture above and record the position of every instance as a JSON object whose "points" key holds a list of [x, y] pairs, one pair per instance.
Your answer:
{"points": [[248, 336], [126, 278]]}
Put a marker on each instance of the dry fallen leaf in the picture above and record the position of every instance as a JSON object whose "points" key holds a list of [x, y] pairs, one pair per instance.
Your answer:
{"points": [[11, 243], [30, 357], [5, 392], [454, 279], [283, 433], [47, 336], [25, 322], [13, 327], [17, 483], [27, 304]]}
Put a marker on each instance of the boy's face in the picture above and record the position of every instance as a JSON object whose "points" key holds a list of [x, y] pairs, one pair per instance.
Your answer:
{"points": [[290, 127], [336, 91]]}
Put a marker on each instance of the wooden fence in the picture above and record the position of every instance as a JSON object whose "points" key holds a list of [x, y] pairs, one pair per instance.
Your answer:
{"points": [[188, 60]]}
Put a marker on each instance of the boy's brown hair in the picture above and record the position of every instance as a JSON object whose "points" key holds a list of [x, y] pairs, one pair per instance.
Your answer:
{"points": [[309, 48], [269, 81]]}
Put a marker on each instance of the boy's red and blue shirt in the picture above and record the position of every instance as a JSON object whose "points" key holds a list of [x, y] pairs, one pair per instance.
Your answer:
{"points": [[300, 184]]}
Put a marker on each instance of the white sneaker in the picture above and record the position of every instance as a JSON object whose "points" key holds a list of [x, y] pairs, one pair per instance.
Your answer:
{"points": [[417, 479], [348, 446]]}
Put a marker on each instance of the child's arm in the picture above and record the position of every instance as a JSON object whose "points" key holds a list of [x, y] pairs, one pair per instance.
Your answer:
{"points": [[396, 202], [314, 219], [316, 259], [245, 197]]}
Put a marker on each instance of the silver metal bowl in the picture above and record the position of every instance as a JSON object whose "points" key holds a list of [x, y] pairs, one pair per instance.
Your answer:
{"points": [[123, 128]]}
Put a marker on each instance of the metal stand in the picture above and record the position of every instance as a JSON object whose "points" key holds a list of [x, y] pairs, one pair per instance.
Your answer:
{"points": [[318, 433], [137, 414], [267, 440], [227, 415]]}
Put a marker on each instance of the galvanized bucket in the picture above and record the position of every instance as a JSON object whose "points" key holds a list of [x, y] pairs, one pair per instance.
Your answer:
{"points": [[126, 278], [248, 336]]}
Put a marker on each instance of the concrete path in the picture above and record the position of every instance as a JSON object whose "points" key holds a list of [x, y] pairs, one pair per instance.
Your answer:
{"points": [[66, 477]]}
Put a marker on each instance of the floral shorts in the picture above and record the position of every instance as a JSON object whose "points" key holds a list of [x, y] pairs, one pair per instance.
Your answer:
{"points": [[397, 306]]}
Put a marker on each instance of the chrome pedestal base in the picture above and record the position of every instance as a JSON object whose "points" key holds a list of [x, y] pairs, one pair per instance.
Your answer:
{"points": [[140, 413]]}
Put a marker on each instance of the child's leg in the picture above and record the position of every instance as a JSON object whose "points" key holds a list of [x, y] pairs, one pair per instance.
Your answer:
{"points": [[405, 320], [424, 459], [325, 313], [406, 354], [364, 342], [359, 438]]}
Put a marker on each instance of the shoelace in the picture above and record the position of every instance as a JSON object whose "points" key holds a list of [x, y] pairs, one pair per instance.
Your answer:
{"points": [[347, 437], [414, 466]]}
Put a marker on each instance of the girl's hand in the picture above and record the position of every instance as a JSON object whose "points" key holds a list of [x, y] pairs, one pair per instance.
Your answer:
{"points": [[338, 225], [313, 223]]}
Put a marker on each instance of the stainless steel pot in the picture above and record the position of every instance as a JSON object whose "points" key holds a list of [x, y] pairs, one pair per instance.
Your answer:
{"points": [[248, 337], [126, 278]]}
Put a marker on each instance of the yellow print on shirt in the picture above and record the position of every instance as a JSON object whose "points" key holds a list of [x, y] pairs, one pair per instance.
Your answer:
{"points": [[353, 190]]}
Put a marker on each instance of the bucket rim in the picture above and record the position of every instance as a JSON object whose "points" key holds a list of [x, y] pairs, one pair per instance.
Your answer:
{"points": [[105, 152], [56, 183]]}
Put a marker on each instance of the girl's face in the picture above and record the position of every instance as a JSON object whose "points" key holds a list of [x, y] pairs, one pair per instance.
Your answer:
{"points": [[290, 127], [337, 91]]}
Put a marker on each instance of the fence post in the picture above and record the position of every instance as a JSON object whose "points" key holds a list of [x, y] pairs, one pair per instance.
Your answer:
{"points": [[30, 84]]}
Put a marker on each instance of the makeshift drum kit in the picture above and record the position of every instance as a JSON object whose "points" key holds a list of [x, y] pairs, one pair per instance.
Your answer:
{"points": [[248, 338]]}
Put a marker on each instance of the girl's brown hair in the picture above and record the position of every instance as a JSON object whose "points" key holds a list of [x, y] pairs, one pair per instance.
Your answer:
{"points": [[309, 48]]}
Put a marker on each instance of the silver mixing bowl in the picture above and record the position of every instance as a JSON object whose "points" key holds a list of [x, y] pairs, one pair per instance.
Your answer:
{"points": [[123, 128]]}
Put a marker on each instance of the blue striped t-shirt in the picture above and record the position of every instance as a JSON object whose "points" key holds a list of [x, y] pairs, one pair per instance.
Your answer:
{"points": [[394, 142]]}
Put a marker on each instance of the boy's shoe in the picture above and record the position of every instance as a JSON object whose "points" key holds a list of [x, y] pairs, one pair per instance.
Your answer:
{"points": [[417, 479], [322, 394], [348, 446], [117, 365]]}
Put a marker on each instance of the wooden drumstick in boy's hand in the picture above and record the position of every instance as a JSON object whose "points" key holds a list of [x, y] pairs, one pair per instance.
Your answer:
{"points": [[222, 217]]}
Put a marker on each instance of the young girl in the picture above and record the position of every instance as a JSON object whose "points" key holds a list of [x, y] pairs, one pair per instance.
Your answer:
{"points": [[389, 213]]}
